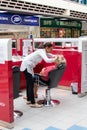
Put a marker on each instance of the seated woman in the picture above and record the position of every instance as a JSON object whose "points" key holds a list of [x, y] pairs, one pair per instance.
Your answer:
{"points": [[44, 72], [43, 75]]}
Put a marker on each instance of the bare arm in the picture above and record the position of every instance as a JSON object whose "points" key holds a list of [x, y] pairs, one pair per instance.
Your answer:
{"points": [[45, 58]]}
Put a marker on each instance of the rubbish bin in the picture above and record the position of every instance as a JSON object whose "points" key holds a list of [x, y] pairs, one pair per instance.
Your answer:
{"points": [[16, 87], [16, 81], [74, 87]]}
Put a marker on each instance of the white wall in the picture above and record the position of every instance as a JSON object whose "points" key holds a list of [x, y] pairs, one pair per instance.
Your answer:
{"points": [[65, 4], [84, 26]]}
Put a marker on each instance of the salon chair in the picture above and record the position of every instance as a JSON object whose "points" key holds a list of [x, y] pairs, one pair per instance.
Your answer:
{"points": [[54, 77], [16, 87]]}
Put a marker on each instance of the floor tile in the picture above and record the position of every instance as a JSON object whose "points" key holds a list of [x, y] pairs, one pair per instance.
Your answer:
{"points": [[26, 129], [75, 127], [52, 128], [70, 114]]}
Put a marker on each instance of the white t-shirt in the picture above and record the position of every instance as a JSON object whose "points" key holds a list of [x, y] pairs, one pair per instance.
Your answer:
{"points": [[34, 58]]}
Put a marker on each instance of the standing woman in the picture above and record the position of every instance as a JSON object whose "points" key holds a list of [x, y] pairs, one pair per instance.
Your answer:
{"points": [[29, 63]]}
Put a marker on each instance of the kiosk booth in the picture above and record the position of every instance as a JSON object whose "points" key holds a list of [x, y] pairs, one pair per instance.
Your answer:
{"points": [[6, 84], [73, 49]]}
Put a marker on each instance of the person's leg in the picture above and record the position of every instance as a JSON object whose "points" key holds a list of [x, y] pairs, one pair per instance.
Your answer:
{"points": [[30, 90], [30, 86], [35, 90]]}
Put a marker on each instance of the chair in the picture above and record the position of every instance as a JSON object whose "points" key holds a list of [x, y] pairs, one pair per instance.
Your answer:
{"points": [[16, 87], [54, 77]]}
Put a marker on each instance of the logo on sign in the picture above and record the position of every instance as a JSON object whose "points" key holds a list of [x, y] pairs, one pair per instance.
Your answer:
{"points": [[16, 19]]}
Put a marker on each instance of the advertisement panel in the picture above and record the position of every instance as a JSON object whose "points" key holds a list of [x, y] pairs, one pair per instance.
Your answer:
{"points": [[18, 19]]}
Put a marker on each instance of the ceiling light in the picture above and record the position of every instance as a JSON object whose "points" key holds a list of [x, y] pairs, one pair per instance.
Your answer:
{"points": [[1, 11]]}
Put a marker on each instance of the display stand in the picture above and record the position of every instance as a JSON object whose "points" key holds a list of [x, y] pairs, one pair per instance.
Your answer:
{"points": [[82, 73], [6, 84]]}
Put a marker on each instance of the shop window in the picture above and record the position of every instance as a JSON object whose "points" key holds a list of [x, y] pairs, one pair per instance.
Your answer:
{"points": [[58, 43], [68, 33], [61, 32], [75, 33], [14, 44], [37, 44]]}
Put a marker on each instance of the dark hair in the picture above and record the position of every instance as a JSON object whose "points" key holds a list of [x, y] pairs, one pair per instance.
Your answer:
{"points": [[47, 44]]}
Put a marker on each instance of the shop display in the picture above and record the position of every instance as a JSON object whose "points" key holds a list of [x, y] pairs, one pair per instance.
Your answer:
{"points": [[59, 28]]}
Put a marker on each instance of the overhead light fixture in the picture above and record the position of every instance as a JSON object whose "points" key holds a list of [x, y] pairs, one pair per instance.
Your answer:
{"points": [[2, 11], [38, 16], [63, 19]]}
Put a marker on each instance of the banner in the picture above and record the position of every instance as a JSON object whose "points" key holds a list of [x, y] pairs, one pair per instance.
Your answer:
{"points": [[18, 19]]}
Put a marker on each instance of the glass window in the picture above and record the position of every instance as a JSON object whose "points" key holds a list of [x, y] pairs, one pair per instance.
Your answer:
{"points": [[68, 33], [75, 33], [58, 43]]}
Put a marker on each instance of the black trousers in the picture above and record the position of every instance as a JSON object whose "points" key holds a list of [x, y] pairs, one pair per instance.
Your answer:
{"points": [[29, 87]]}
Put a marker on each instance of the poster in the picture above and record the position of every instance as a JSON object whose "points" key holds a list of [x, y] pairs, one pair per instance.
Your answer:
{"points": [[2, 55], [27, 47]]}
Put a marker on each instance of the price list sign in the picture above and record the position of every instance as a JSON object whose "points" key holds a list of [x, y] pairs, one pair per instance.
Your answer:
{"points": [[2, 55]]}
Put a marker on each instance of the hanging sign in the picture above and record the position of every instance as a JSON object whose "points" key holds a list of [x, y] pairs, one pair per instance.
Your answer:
{"points": [[18, 19]]}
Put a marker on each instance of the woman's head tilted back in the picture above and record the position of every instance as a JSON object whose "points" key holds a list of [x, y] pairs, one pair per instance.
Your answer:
{"points": [[47, 46]]}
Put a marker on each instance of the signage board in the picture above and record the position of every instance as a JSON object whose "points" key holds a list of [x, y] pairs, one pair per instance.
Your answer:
{"points": [[18, 19]]}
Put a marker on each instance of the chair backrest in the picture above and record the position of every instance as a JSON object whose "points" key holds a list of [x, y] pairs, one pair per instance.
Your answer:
{"points": [[38, 79], [55, 76]]}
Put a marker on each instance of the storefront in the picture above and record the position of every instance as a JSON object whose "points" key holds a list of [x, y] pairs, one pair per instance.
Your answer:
{"points": [[82, 1], [17, 26], [59, 28]]}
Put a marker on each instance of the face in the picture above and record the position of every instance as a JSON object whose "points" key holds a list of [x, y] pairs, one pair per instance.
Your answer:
{"points": [[49, 49]]}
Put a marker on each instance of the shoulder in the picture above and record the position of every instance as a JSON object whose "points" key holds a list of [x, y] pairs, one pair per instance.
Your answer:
{"points": [[50, 67], [41, 50]]}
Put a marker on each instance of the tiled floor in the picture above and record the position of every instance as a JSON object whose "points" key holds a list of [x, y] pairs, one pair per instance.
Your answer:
{"points": [[70, 114]]}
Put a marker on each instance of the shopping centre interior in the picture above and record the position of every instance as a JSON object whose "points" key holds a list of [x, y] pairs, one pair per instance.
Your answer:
{"points": [[52, 22], [24, 25]]}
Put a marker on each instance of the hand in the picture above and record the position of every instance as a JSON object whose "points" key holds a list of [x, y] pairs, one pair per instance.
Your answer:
{"points": [[56, 61], [60, 59]]}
